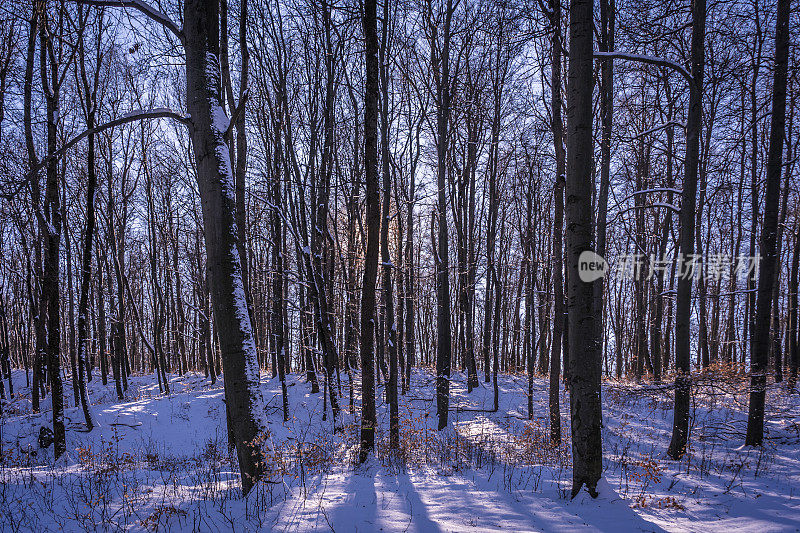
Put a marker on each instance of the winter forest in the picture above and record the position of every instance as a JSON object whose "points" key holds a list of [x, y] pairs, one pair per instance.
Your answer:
{"points": [[412, 265]]}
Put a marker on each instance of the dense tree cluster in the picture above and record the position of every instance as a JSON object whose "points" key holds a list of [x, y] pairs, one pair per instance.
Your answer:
{"points": [[329, 188]]}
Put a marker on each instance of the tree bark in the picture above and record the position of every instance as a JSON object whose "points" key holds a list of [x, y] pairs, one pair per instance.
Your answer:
{"points": [[368, 415], [52, 239], [386, 260], [584, 341], [767, 248], [441, 62], [683, 380], [557, 127], [218, 198], [605, 44], [90, 108], [792, 330]]}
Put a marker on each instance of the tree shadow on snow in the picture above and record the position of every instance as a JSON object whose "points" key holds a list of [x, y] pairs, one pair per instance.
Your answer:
{"points": [[608, 512], [376, 499]]}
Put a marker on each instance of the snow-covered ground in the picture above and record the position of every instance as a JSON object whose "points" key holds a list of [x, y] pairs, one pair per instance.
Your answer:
{"points": [[161, 463]]}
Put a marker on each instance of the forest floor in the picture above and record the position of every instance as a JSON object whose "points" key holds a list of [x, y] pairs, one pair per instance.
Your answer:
{"points": [[159, 462]]}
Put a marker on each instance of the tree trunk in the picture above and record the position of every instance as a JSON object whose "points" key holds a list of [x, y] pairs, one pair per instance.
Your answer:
{"points": [[443, 333], [386, 260], [368, 415], [767, 248], [410, 283], [605, 44], [584, 340], [683, 380], [218, 198], [775, 338], [792, 329], [52, 239], [278, 303], [90, 95], [557, 128]]}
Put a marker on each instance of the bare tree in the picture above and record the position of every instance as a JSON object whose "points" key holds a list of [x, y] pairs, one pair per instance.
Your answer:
{"points": [[683, 380], [767, 248], [368, 416], [584, 339]]}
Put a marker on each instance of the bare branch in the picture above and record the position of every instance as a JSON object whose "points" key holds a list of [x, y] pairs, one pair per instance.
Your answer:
{"points": [[650, 60], [148, 10], [660, 127], [236, 113], [124, 119]]}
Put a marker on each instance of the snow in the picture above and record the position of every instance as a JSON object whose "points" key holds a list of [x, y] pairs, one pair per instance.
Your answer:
{"points": [[161, 462], [151, 12], [658, 189], [667, 205], [219, 118], [145, 112], [653, 60]]}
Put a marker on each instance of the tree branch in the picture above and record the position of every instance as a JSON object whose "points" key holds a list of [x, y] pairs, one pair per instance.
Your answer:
{"points": [[236, 113], [124, 119], [148, 10], [660, 127], [650, 60]]}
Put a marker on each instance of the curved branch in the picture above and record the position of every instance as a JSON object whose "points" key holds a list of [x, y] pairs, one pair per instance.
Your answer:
{"points": [[650, 60], [148, 10], [133, 116], [660, 127], [124, 119]]}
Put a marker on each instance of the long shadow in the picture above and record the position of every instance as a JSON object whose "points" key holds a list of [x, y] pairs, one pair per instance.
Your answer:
{"points": [[357, 511], [609, 513], [401, 508], [418, 517]]}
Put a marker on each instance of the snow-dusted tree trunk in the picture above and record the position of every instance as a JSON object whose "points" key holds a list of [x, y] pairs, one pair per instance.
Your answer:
{"points": [[410, 282], [89, 94], [37, 303], [208, 125], [52, 233], [386, 260]]}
